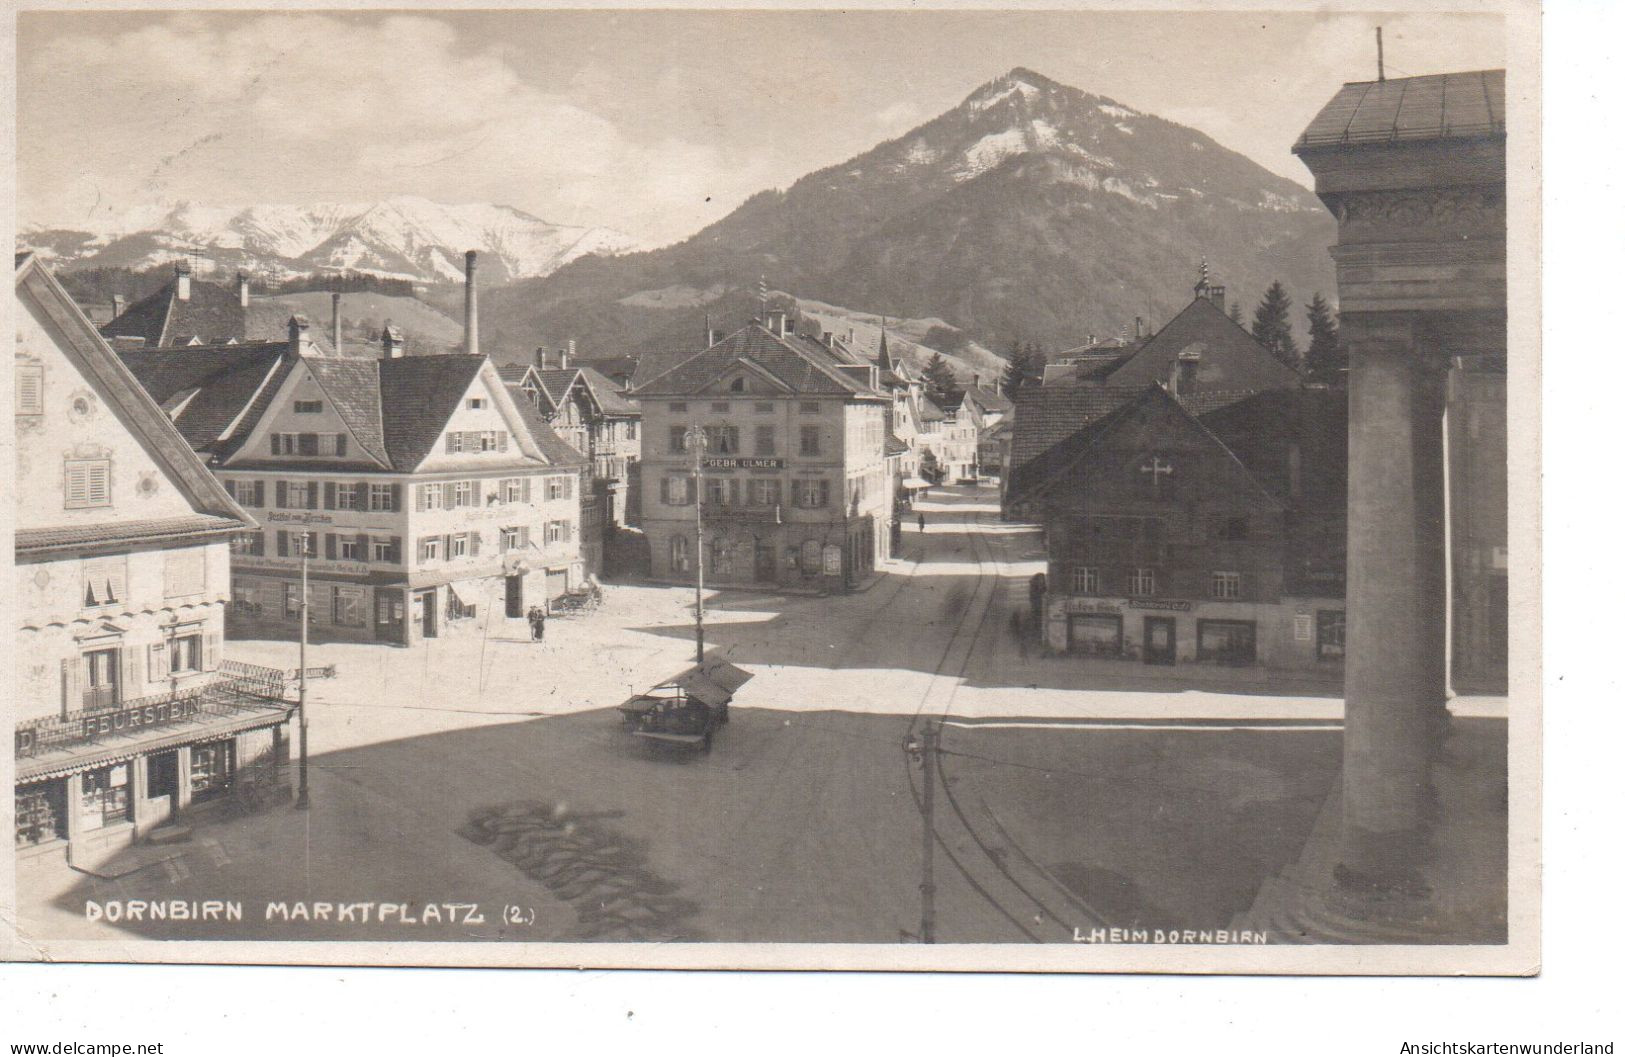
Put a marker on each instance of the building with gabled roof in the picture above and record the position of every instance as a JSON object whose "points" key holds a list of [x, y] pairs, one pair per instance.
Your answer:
{"points": [[126, 710], [794, 488], [433, 499], [1182, 536], [184, 311]]}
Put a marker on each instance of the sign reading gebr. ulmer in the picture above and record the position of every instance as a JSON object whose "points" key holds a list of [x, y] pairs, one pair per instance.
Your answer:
{"points": [[739, 463]]}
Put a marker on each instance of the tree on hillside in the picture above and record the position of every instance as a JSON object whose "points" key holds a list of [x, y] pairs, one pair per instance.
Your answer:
{"points": [[1326, 359], [1272, 325], [1024, 367], [939, 377]]}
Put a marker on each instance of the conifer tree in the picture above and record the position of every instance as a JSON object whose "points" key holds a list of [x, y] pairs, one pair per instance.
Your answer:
{"points": [[939, 377], [1326, 359], [1272, 325]]}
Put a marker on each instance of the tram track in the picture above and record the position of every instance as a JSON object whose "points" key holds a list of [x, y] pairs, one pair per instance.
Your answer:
{"points": [[988, 870]]}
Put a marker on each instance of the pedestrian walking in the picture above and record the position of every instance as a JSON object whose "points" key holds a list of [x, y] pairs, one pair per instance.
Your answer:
{"points": [[922, 521], [534, 615], [541, 622]]}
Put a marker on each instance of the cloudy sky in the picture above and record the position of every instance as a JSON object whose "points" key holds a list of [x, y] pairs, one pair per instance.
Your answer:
{"points": [[655, 123]]}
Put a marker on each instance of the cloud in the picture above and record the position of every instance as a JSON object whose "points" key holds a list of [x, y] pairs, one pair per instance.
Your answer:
{"points": [[313, 107]]}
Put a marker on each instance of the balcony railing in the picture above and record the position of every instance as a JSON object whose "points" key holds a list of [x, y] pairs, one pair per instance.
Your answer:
{"points": [[234, 688], [771, 515]]}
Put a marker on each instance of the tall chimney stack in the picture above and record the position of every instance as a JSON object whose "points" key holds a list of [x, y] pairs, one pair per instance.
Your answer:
{"points": [[1139, 327], [471, 308], [298, 335], [118, 305], [183, 280], [242, 289], [394, 346], [567, 354], [338, 326]]}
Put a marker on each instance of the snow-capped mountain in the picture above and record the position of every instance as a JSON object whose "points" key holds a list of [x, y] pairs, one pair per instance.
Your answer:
{"points": [[404, 237], [1032, 211]]}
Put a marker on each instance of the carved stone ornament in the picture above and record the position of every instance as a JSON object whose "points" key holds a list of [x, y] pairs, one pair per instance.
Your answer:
{"points": [[1453, 211]]}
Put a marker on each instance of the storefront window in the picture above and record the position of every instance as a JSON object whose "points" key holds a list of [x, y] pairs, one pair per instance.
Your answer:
{"points": [[1329, 628], [1095, 634], [212, 767], [42, 814], [104, 798], [1226, 641], [350, 606]]}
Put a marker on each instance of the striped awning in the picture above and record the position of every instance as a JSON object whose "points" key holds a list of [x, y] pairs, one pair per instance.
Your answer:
{"points": [[73, 760]]}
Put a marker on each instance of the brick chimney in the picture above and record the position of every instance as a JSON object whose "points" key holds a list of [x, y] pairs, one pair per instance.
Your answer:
{"points": [[183, 280], [471, 308], [242, 289], [299, 336], [394, 347], [338, 326]]}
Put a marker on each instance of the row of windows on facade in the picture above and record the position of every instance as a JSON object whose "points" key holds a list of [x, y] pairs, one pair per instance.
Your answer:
{"points": [[106, 677], [808, 556], [1142, 582], [345, 495], [360, 547], [336, 605], [725, 440], [336, 445], [41, 808], [754, 491], [1153, 531], [761, 407], [105, 581]]}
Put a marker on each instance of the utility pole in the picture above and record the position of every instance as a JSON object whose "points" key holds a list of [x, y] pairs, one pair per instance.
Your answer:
{"points": [[303, 803], [695, 436], [1381, 76], [924, 748]]}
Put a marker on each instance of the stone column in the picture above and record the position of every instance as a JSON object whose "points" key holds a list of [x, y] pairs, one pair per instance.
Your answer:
{"points": [[140, 809], [1394, 671], [183, 779]]}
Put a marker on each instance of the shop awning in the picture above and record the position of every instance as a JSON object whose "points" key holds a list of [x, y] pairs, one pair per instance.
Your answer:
{"points": [[713, 682], [55, 763], [916, 482]]}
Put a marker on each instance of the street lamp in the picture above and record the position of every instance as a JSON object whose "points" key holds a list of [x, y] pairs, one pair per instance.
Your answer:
{"points": [[303, 802], [694, 437]]}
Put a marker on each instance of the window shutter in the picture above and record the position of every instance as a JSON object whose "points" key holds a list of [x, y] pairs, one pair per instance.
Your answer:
{"points": [[259, 494], [276, 444], [282, 542], [330, 494], [343, 444], [569, 530], [422, 497], [524, 489], [231, 489], [474, 544], [158, 661], [115, 581], [332, 546], [394, 548], [363, 547], [445, 545], [363, 496], [310, 495], [665, 491], [282, 494], [70, 684], [502, 441], [524, 535], [395, 497], [211, 651], [131, 656], [451, 443]]}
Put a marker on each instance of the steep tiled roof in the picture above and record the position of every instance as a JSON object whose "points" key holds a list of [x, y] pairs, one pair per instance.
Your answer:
{"points": [[930, 410], [353, 389], [223, 380], [1411, 109], [1046, 416], [990, 399], [553, 447], [512, 373], [211, 312], [556, 382], [1228, 356], [607, 394], [151, 530], [801, 364], [895, 446], [418, 394]]}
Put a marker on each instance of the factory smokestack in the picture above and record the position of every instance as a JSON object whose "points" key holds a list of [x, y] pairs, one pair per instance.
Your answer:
{"points": [[471, 309], [338, 326]]}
